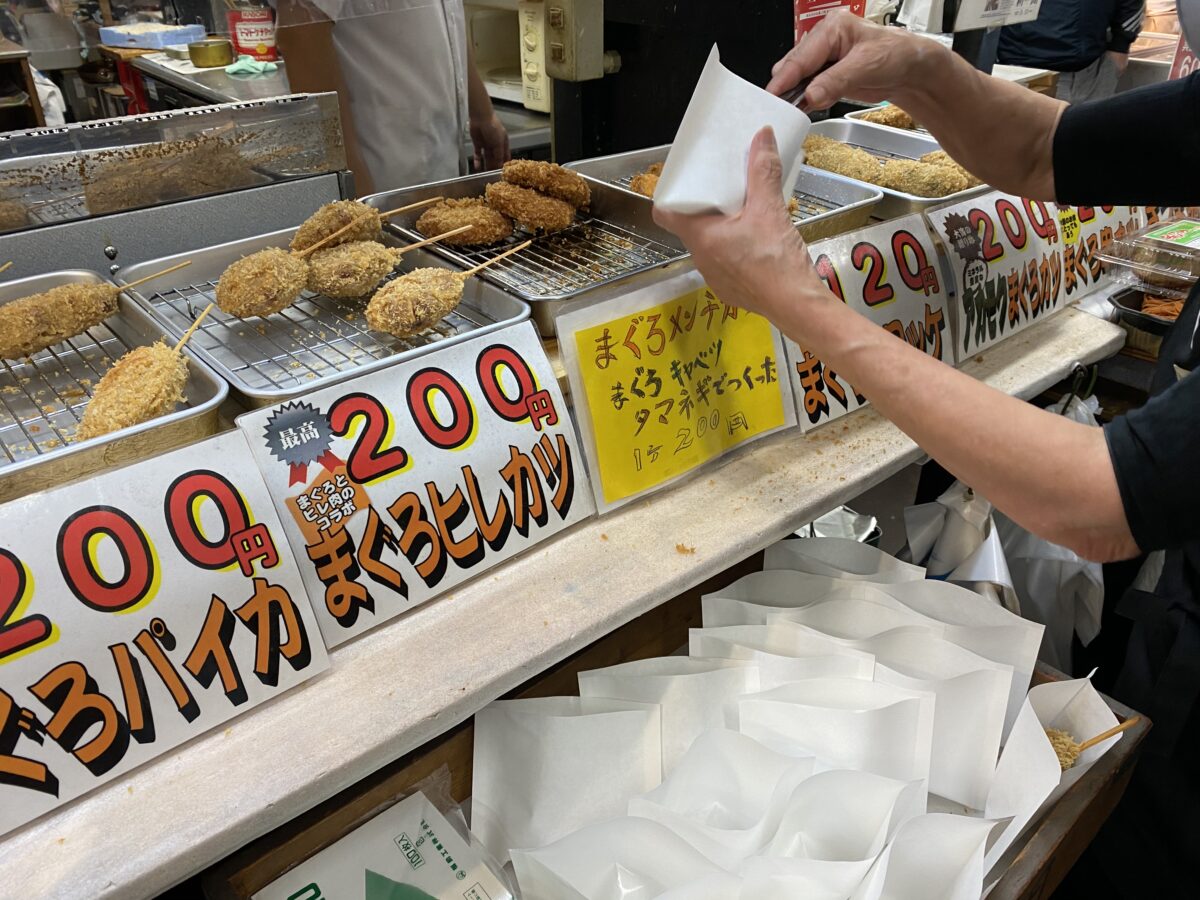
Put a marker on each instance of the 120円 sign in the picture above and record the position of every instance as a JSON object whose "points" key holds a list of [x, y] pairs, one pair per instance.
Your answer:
{"points": [[139, 609], [400, 484]]}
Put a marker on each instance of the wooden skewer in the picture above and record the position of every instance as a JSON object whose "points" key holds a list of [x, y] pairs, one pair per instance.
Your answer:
{"points": [[1115, 730], [495, 259], [192, 328], [6, 266], [395, 212], [385, 215], [432, 240], [144, 279]]}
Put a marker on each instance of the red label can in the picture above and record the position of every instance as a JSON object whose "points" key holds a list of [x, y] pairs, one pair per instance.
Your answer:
{"points": [[252, 32]]}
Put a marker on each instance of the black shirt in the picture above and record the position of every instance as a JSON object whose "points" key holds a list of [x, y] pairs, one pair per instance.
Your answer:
{"points": [[1069, 35]]}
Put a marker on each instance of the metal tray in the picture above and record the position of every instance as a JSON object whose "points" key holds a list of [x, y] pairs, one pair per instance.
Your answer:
{"points": [[313, 343], [42, 398], [891, 143], [616, 238], [858, 114], [829, 203]]}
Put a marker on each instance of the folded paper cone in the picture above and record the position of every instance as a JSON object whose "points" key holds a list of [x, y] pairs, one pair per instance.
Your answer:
{"points": [[706, 168]]}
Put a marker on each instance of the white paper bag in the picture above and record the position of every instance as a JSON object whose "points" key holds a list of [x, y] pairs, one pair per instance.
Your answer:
{"points": [[1074, 706], [692, 693], [840, 558], [621, 859], [781, 654], [706, 167], [548, 766], [936, 855], [846, 724], [766, 878]]}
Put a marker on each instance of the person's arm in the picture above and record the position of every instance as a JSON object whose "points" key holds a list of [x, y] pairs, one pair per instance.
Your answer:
{"points": [[1050, 475], [1124, 29], [1001, 132], [487, 131]]}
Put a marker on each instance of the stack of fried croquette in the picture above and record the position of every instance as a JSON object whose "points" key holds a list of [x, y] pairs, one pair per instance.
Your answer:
{"points": [[538, 196], [933, 175]]}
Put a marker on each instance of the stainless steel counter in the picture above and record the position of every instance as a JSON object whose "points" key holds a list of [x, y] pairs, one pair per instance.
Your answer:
{"points": [[214, 86]]}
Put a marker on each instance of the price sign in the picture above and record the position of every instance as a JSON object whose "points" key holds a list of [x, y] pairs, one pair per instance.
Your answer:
{"points": [[889, 273], [993, 13], [1185, 62], [139, 609], [666, 379], [1016, 261], [398, 485], [809, 13]]}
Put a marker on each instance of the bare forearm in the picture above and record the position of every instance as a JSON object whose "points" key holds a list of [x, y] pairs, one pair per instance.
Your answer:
{"points": [[1049, 474]]}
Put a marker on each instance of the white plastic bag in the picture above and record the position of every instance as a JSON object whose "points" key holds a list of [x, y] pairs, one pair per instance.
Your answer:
{"points": [[548, 766]]}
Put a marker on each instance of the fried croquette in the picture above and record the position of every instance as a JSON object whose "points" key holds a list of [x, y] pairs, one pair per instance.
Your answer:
{"points": [[530, 208], [332, 216], [840, 159], [39, 321], [942, 158], [549, 179], [262, 283], [644, 183], [415, 301], [487, 225], [350, 270], [145, 383], [922, 179], [654, 169], [891, 115]]}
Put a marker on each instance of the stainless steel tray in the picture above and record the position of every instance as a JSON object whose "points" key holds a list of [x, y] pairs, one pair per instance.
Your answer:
{"points": [[313, 343], [829, 203], [891, 143], [859, 114], [42, 398], [616, 238]]}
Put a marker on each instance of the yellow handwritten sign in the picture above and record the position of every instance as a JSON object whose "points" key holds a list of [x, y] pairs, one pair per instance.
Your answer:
{"points": [[674, 385]]}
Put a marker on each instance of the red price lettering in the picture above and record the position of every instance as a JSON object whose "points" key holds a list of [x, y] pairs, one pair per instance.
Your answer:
{"points": [[1086, 213], [1040, 219], [182, 505], [487, 369], [1012, 223], [829, 275], [368, 460], [421, 388], [986, 228], [78, 540], [915, 270], [17, 634], [868, 260]]}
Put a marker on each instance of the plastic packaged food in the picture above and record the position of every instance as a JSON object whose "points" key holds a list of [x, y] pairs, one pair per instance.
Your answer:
{"points": [[1163, 258]]}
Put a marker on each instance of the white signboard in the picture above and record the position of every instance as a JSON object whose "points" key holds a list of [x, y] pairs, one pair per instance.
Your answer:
{"points": [[1017, 261], [401, 484], [974, 14], [138, 609], [889, 273]]}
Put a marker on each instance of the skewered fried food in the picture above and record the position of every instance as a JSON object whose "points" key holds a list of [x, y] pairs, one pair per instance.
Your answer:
{"points": [[942, 158], [262, 283], [922, 179], [145, 383], [836, 157], [890, 115], [42, 320], [487, 225], [350, 270], [549, 179], [415, 301], [644, 183], [332, 216], [530, 208], [654, 168]]}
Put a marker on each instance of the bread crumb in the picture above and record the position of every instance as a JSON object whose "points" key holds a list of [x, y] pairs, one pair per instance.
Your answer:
{"points": [[685, 550], [603, 536]]}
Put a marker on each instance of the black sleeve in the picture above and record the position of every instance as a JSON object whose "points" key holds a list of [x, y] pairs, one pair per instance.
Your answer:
{"points": [[1154, 452], [1126, 24], [1139, 147]]}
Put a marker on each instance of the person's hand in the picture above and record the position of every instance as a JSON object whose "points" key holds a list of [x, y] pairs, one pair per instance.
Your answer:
{"points": [[1119, 60], [755, 259], [491, 142], [869, 62]]}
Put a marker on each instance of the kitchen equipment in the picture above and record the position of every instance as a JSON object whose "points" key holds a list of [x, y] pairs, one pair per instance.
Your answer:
{"points": [[210, 53], [42, 398], [314, 342], [508, 40]]}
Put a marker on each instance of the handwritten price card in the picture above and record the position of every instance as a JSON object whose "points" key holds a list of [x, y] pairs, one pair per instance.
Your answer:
{"points": [[139, 609], [666, 379], [1016, 261], [889, 273], [401, 484]]}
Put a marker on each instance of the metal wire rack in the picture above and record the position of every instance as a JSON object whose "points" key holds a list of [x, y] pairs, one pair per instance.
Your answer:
{"points": [[808, 205], [58, 209], [879, 152], [590, 253], [314, 337], [42, 398]]}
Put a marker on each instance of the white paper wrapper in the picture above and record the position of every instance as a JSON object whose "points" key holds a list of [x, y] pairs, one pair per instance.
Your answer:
{"points": [[781, 654], [846, 724], [931, 856], [705, 170], [548, 766], [840, 558], [621, 859], [692, 693], [764, 878]]}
